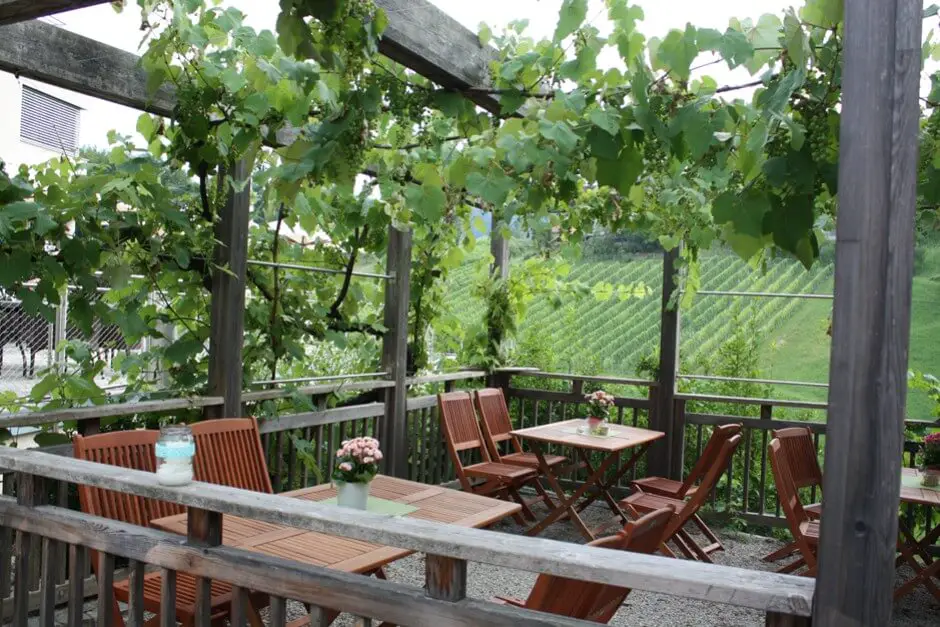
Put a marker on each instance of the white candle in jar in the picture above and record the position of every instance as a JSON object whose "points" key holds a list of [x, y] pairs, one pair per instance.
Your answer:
{"points": [[175, 463]]}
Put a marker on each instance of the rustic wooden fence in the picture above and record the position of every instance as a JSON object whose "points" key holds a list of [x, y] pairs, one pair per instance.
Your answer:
{"points": [[786, 600], [325, 426]]}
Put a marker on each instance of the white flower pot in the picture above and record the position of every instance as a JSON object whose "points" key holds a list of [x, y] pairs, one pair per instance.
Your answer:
{"points": [[352, 495]]}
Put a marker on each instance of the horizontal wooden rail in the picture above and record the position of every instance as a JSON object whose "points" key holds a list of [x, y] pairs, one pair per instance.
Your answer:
{"points": [[568, 397], [769, 592], [743, 400], [538, 374], [752, 423], [314, 390], [462, 375], [29, 419], [421, 402], [349, 592], [324, 417]]}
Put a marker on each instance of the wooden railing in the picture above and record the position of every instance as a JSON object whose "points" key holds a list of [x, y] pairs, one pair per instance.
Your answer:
{"points": [[442, 602], [747, 491], [326, 427]]}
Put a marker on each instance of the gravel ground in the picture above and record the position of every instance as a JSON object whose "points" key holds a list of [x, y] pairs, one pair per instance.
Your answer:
{"points": [[919, 609]]}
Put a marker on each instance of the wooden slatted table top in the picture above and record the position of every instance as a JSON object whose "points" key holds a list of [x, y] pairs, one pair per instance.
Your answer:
{"points": [[919, 496], [565, 433], [357, 556]]}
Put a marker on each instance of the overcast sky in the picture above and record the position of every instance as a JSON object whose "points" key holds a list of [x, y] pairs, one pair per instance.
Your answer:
{"points": [[102, 23]]}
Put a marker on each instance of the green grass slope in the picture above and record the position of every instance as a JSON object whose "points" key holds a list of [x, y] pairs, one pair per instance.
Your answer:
{"points": [[614, 335]]}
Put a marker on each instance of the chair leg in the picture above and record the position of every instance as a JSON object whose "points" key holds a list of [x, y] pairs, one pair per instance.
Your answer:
{"points": [[540, 489], [526, 512], [117, 617], [700, 553], [665, 550], [781, 553], [716, 544], [683, 547], [792, 566]]}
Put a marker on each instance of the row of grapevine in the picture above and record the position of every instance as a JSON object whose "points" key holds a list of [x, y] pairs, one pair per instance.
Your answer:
{"points": [[618, 333]]}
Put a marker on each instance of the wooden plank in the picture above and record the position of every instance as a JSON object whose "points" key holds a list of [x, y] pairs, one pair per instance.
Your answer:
{"points": [[746, 588], [168, 598], [421, 402], [462, 375], [567, 397], [397, 603], [538, 374], [776, 619], [871, 312], [278, 612], [227, 324], [105, 590], [322, 417], [752, 423], [395, 352], [322, 388], [661, 454], [12, 11], [47, 584], [78, 564], [744, 400], [419, 35], [445, 578], [238, 617], [29, 493], [28, 419]]}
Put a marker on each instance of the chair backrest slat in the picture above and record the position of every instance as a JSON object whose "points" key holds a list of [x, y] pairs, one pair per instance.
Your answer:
{"points": [[800, 450], [229, 453], [494, 418], [127, 449], [710, 479], [706, 460], [598, 602], [786, 487], [459, 421]]}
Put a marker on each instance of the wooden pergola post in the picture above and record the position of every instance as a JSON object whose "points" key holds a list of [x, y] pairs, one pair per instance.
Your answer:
{"points": [[227, 326], [662, 458], [871, 315], [393, 428]]}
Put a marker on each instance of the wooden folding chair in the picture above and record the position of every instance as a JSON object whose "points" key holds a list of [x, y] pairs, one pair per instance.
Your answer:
{"points": [[591, 601], [136, 450], [229, 453], [496, 424], [462, 433], [641, 503], [805, 531], [682, 489], [798, 446]]}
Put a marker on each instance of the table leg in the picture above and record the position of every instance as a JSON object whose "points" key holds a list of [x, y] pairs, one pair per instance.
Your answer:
{"points": [[923, 575], [566, 504], [603, 489]]}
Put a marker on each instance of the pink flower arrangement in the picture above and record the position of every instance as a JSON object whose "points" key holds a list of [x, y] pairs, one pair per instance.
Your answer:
{"points": [[357, 460], [932, 450], [599, 404]]}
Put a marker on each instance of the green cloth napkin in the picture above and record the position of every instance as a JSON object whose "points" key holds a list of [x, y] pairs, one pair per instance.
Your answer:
{"points": [[381, 506], [908, 481]]}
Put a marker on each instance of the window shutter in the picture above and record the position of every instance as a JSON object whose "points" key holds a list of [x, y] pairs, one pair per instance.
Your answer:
{"points": [[48, 122]]}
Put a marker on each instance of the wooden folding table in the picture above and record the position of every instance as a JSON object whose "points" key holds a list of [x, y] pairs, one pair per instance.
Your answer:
{"points": [[909, 546], [600, 479], [356, 556]]}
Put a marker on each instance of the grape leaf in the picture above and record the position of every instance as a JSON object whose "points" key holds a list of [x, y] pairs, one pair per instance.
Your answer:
{"points": [[493, 187], [607, 119], [570, 18], [621, 173]]}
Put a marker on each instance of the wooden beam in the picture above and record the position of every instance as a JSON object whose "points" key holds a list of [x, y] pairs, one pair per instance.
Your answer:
{"points": [[871, 315], [58, 57], [227, 324], [12, 11], [393, 426], [419, 35], [665, 455]]}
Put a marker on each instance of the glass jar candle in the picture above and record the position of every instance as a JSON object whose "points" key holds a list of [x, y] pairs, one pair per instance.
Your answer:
{"points": [[175, 451]]}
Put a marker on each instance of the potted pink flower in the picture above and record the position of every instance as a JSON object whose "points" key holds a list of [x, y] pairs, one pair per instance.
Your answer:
{"points": [[357, 463], [599, 404]]}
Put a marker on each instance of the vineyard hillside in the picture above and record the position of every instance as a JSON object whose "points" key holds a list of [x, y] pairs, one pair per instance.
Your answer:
{"points": [[615, 334]]}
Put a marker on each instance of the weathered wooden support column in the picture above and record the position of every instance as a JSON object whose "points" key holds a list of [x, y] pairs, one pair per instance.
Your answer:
{"points": [[227, 331], [499, 248], [393, 427], [871, 314], [662, 454]]}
